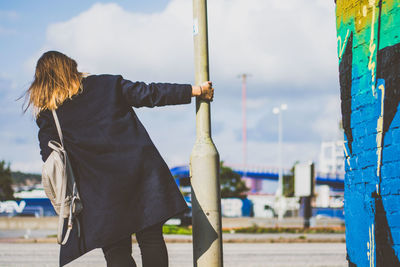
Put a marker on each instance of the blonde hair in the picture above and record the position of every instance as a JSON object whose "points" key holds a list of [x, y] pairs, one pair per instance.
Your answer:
{"points": [[56, 79]]}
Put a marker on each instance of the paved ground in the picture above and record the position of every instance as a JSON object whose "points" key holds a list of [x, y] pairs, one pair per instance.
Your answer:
{"points": [[18, 247], [180, 254]]}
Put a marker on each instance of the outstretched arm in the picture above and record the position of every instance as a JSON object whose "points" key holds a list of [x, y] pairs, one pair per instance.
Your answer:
{"points": [[140, 94]]}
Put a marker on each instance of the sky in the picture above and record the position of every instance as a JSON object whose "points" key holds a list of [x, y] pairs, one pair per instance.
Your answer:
{"points": [[289, 48]]}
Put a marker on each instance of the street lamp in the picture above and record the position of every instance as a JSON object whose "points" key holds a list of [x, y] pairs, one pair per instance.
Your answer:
{"points": [[244, 77], [278, 111]]}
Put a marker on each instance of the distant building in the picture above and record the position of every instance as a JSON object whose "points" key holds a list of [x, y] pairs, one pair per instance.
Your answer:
{"points": [[331, 159]]}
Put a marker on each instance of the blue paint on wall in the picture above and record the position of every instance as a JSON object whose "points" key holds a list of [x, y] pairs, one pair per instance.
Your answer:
{"points": [[369, 56]]}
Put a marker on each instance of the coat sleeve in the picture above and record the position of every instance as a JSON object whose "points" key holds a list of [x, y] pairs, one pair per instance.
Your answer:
{"points": [[140, 94], [46, 133]]}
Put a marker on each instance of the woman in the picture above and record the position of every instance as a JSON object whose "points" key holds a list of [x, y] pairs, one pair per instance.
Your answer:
{"points": [[124, 184]]}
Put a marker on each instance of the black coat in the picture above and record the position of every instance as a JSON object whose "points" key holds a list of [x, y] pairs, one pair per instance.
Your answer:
{"points": [[124, 183]]}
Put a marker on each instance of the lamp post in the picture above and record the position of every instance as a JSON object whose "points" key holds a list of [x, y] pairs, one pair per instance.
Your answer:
{"points": [[279, 193], [204, 160], [244, 121]]}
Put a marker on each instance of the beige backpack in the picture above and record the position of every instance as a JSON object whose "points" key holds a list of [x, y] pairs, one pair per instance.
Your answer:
{"points": [[59, 185]]}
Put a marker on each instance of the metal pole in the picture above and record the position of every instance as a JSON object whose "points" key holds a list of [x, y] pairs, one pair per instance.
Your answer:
{"points": [[244, 130], [280, 200], [204, 160], [280, 180], [306, 201]]}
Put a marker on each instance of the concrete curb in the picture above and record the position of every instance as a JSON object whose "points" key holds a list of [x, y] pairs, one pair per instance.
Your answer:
{"points": [[51, 223], [188, 239]]}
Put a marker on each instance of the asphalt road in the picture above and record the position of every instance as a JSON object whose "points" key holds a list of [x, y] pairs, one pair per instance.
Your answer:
{"points": [[180, 255]]}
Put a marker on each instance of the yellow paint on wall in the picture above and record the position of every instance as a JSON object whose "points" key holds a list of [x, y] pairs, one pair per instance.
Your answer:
{"points": [[371, 246], [379, 129], [363, 13], [372, 47], [344, 12], [347, 156], [342, 43]]}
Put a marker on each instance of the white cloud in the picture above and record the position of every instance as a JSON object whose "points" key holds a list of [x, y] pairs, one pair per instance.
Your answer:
{"points": [[327, 121], [108, 39], [291, 42], [286, 45]]}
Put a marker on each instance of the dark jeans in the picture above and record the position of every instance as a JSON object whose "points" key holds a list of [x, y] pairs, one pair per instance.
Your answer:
{"points": [[152, 247]]}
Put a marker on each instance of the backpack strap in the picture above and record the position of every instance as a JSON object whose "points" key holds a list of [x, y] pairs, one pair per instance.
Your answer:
{"points": [[63, 194], [58, 126]]}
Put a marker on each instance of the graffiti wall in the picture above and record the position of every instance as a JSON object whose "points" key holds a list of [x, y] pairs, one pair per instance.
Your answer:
{"points": [[368, 42]]}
